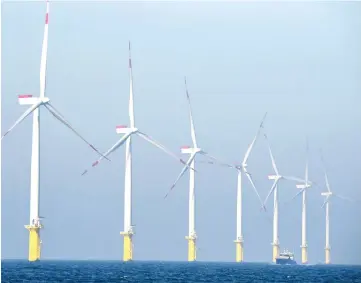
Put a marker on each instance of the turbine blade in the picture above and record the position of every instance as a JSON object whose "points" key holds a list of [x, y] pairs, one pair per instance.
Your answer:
{"points": [[193, 131], [22, 117], [184, 170], [131, 97], [327, 183], [271, 191], [44, 54], [343, 198], [324, 169], [291, 178], [119, 143], [208, 162], [254, 140], [271, 155], [326, 200], [216, 160], [254, 188], [61, 118], [216, 163], [313, 183], [160, 146], [296, 195]]}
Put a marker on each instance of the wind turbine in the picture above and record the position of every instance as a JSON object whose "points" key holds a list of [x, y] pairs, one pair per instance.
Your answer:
{"points": [[36, 102], [328, 195], [274, 189], [326, 203], [193, 151], [303, 187], [242, 169], [128, 132]]}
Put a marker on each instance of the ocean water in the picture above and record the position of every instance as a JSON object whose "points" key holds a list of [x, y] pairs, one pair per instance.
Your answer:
{"points": [[139, 271]]}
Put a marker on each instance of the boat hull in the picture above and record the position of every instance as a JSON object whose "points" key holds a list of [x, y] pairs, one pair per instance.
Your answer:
{"points": [[285, 261]]}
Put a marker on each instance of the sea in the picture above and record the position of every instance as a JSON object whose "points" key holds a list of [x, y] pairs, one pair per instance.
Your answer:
{"points": [[153, 271]]}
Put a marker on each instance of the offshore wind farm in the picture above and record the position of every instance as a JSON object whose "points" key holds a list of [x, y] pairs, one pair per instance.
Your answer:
{"points": [[136, 205]]}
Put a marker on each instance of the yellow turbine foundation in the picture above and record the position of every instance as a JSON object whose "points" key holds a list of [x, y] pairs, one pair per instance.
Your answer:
{"points": [[192, 254], [127, 246], [34, 242], [276, 252], [304, 255], [328, 255], [239, 251]]}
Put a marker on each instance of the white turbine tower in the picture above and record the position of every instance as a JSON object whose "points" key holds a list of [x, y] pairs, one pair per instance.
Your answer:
{"points": [[274, 189], [35, 102], [326, 203], [303, 187], [193, 151], [328, 195], [127, 132]]}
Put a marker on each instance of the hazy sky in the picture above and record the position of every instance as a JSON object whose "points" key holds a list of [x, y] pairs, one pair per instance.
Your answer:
{"points": [[301, 62]]}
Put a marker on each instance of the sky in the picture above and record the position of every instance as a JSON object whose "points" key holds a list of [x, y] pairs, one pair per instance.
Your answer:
{"points": [[300, 62]]}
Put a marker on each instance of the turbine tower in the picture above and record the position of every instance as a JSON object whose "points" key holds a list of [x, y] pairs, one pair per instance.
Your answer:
{"points": [[35, 102], [326, 203], [128, 227], [303, 187], [327, 194], [193, 151], [128, 132], [274, 189]]}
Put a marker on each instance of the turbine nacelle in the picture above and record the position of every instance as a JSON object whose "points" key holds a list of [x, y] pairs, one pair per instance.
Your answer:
{"points": [[274, 177], [121, 129], [244, 165], [302, 186], [238, 166], [190, 150], [28, 99], [327, 194]]}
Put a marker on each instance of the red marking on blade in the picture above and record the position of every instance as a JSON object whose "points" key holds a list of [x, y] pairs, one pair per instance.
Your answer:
{"points": [[121, 127], [46, 18], [25, 96], [95, 163], [185, 146]]}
